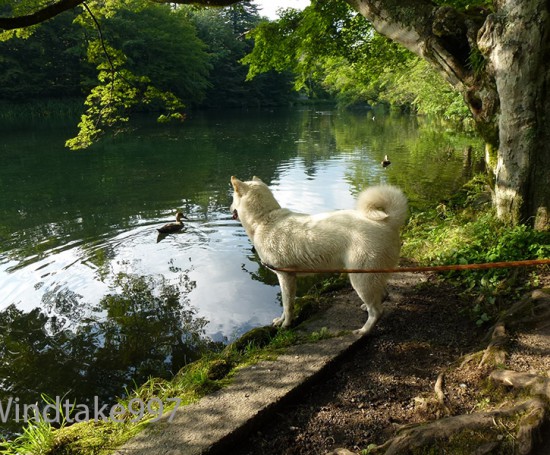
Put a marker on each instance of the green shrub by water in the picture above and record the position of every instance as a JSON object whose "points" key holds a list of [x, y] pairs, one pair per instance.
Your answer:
{"points": [[465, 230]]}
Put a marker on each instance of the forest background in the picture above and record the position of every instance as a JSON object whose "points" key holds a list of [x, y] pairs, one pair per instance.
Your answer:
{"points": [[202, 58], [493, 52]]}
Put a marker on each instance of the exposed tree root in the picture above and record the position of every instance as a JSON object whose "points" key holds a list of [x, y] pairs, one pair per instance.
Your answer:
{"points": [[519, 421], [495, 354], [440, 395], [511, 428], [537, 385]]}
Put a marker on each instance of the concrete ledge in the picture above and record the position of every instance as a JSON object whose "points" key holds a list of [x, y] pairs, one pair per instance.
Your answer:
{"points": [[219, 419]]}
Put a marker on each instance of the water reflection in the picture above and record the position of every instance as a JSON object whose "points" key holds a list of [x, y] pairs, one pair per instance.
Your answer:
{"points": [[80, 351]]}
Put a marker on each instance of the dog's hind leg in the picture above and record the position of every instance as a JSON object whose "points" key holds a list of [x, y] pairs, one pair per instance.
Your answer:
{"points": [[287, 281], [371, 290]]}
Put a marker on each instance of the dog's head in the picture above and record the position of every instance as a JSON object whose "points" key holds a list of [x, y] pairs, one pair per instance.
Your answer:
{"points": [[251, 199]]}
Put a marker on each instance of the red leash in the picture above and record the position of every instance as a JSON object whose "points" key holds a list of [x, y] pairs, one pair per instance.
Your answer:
{"points": [[434, 268]]}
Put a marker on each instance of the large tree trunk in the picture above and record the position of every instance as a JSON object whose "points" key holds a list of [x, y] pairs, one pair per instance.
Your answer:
{"points": [[516, 43], [507, 90]]}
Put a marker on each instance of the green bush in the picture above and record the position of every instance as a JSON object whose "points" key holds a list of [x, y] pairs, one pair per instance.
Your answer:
{"points": [[463, 232]]}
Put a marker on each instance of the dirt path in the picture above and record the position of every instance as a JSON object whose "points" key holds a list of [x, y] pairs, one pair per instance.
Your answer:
{"points": [[390, 380]]}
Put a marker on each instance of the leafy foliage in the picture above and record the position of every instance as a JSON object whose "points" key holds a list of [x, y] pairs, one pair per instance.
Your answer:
{"points": [[137, 56], [163, 45], [304, 41], [466, 231], [416, 84], [118, 91], [334, 50]]}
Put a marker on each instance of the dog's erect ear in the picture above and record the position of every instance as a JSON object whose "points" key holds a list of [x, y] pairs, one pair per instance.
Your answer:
{"points": [[238, 186], [257, 179]]}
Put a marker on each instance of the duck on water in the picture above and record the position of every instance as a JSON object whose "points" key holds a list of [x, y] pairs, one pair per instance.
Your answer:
{"points": [[173, 227]]}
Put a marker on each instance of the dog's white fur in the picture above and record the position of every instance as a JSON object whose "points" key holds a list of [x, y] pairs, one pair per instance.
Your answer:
{"points": [[367, 237]]}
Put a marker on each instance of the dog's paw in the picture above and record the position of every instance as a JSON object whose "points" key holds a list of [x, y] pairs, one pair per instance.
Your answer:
{"points": [[362, 332]]}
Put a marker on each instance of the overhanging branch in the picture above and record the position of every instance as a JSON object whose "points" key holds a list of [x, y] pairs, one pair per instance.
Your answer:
{"points": [[42, 15]]}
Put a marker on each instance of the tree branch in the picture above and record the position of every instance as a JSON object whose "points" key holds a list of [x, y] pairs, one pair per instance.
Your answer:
{"points": [[407, 23], [201, 2], [42, 15], [50, 11]]}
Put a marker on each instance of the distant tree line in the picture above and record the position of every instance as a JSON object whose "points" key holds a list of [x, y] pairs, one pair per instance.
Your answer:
{"points": [[190, 52]]}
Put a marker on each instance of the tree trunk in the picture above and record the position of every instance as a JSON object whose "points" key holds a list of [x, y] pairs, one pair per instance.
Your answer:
{"points": [[500, 62], [516, 44]]}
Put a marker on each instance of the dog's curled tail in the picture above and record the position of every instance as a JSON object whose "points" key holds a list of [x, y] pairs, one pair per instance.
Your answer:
{"points": [[384, 203]]}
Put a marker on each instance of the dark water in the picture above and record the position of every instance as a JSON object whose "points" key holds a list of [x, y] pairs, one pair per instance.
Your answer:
{"points": [[89, 300]]}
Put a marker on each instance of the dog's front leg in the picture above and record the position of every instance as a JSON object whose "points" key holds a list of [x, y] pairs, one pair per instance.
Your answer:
{"points": [[287, 281]]}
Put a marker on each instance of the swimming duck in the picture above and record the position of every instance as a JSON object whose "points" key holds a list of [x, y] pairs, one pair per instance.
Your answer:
{"points": [[385, 162], [173, 227]]}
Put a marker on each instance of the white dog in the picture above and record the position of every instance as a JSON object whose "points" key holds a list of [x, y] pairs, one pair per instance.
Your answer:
{"points": [[367, 237]]}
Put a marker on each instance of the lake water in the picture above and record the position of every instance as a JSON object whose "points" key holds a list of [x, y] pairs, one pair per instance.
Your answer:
{"points": [[90, 299]]}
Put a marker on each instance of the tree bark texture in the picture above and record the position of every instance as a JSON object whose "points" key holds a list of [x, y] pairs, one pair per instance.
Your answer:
{"points": [[516, 42]]}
